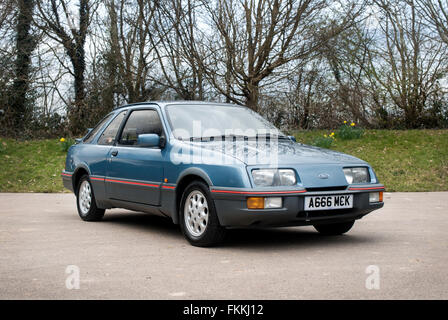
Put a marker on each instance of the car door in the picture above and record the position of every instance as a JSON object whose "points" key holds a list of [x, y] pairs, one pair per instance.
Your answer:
{"points": [[135, 173], [96, 155]]}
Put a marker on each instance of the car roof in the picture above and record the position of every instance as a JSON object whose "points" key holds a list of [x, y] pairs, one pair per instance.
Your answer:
{"points": [[163, 104]]}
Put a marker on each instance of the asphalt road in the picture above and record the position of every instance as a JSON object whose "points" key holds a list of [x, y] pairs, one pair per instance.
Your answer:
{"points": [[139, 256]]}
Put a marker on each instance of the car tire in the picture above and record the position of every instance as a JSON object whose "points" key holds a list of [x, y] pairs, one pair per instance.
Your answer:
{"points": [[198, 219], [334, 229], [85, 201]]}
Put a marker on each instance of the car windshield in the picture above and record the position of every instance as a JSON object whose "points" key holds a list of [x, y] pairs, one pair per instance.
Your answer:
{"points": [[202, 122]]}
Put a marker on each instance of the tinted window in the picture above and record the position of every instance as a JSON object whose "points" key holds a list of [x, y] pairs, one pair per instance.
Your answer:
{"points": [[140, 122], [109, 134], [91, 135]]}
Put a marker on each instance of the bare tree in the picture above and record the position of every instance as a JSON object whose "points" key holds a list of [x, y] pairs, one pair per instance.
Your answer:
{"points": [[59, 24], [7, 15], [7, 8], [347, 57], [302, 63], [251, 40], [307, 93], [130, 48], [436, 12], [407, 64], [176, 43]]}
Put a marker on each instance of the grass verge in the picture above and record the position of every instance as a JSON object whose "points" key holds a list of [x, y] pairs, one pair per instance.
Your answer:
{"points": [[409, 160], [404, 160], [31, 166]]}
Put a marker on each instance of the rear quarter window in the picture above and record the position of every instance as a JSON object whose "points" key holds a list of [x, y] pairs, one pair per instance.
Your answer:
{"points": [[109, 134], [91, 135]]}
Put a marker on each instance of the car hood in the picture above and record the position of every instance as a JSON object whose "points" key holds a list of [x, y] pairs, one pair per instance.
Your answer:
{"points": [[281, 153]]}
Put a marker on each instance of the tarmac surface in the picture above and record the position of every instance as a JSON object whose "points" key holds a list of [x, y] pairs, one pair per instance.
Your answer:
{"points": [[398, 252]]}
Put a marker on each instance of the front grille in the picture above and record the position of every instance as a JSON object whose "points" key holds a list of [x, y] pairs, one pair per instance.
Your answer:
{"points": [[326, 189]]}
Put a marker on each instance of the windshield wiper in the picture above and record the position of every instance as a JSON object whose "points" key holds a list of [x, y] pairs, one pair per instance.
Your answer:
{"points": [[219, 138], [234, 137], [271, 136]]}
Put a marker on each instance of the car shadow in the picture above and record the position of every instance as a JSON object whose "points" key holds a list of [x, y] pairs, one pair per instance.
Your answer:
{"points": [[144, 221], [254, 239], [290, 238]]}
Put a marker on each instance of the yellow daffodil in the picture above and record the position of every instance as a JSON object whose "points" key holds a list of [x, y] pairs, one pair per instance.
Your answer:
{"points": [[332, 134], [345, 121], [62, 140], [352, 124]]}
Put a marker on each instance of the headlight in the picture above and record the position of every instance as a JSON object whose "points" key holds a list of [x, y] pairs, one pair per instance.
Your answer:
{"points": [[287, 177], [274, 177], [356, 175]]}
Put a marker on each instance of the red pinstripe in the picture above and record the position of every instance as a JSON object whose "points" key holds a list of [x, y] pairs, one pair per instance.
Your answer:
{"points": [[95, 178], [257, 192], [133, 183], [370, 188]]}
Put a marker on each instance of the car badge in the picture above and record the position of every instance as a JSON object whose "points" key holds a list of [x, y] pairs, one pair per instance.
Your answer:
{"points": [[324, 176]]}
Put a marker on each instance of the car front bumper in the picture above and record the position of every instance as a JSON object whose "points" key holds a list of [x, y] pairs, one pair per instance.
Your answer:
{"points": [[231, 207]]}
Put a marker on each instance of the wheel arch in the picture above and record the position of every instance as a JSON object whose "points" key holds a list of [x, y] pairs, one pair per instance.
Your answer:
{"points": [[78, 173], [187, 177]]}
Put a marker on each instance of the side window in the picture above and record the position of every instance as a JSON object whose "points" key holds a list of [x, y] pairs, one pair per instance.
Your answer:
{"points": [[108, 136], [98, 127], [140, 122]]}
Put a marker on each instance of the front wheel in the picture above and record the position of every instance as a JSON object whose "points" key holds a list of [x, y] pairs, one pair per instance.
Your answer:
{"points": [[85, 200], [334, 229], [198, 219]]}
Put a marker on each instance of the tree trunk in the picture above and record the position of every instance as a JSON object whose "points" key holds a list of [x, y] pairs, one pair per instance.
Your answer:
{"points": [[411, 117], [252, 96], [25, 45], [77, 115]]}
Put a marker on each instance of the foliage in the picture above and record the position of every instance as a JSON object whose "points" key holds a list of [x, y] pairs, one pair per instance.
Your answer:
{"points": [[298, 65], [66, 144], [47, 126], [349, 131], [324, 141]]}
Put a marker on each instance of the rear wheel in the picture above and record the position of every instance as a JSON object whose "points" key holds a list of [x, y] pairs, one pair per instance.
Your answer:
{"points": [[334, 229], [85, 200], [198, 219]]}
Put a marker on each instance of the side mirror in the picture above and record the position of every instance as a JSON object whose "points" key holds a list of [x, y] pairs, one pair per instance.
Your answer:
{"points": [[292, 138], [148, 140]]}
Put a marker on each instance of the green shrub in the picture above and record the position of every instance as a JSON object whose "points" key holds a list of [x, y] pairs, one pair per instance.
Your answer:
{"points": [[349, 131], [66, 144], [324, 142]]}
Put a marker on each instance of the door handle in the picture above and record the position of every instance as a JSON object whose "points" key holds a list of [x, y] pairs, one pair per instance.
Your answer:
{"points": [[114, 153]]}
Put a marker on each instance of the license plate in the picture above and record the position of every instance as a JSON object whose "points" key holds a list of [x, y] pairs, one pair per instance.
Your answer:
{"points": [[328, 202]]}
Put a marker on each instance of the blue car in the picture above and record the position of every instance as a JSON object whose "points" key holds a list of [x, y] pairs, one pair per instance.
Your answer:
{"points": [[214, 166]]}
